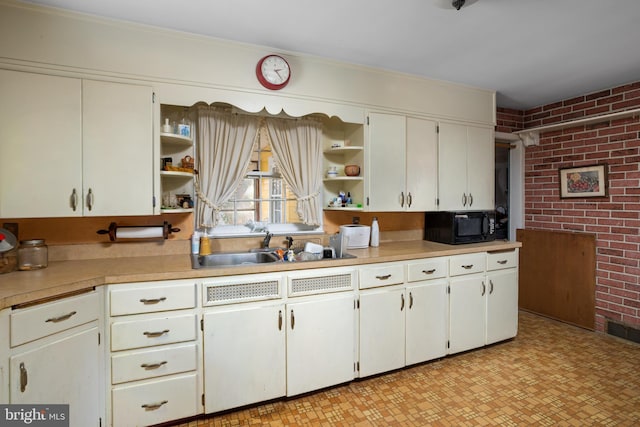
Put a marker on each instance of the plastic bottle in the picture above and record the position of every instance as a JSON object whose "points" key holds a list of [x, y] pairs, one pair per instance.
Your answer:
{"points": [[195, 242], [375, 232]]}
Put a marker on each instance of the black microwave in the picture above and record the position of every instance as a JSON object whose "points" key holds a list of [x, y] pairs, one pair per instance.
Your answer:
{"points": [[460, 227]]}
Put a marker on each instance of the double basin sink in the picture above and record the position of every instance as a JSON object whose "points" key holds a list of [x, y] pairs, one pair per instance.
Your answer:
{"points": [[229, 259]]}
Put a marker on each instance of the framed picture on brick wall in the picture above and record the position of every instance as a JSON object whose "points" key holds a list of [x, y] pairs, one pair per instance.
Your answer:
{"points": [[583, 181]]}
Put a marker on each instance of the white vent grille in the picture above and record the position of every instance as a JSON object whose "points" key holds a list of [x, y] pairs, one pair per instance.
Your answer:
{"points": [[311, 285], [219, 294]]}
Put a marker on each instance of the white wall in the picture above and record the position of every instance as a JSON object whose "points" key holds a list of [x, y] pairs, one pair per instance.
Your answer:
{"points": [[187, 68]]}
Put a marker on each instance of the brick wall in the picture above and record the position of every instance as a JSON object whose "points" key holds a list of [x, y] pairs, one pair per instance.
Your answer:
{"points": [[614, 219]]}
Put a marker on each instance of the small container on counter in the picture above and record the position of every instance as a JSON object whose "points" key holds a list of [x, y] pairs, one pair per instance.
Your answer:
{"points": [[32, 255]]}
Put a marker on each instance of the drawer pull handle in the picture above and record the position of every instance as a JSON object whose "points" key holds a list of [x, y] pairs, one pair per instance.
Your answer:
{"points": [[24, 377], [410, 300], [402, 302], [484, 289], [152, 301], [156, 334], [150, 366], [293, 320], [502, 261], [433, 270], [61, 318], [468, 266], [385, 277], [490, 287], [279, 320], [154, 406]]}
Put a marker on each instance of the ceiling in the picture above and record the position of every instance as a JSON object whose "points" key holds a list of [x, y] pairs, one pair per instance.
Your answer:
{"points": [[532, 52]]}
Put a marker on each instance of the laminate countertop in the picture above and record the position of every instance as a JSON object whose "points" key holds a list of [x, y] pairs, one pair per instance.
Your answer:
{"points": [[61, 278]]}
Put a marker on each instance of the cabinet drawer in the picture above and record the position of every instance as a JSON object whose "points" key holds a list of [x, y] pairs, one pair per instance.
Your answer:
{"points": [[426, 269], [153, 363], [381, 275], [500, 260], [467, 264], [39, 321], [155, 402], [150, 332], [146, 298]]}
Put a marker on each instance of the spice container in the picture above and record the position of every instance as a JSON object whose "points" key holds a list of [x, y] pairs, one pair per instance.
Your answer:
{"points": [[32, 254]]}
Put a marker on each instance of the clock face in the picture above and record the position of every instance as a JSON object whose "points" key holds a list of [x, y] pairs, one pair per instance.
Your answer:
{"points": [[273, 72]]}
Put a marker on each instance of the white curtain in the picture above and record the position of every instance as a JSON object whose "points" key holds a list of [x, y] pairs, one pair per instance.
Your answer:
{"points": [[297, 149], [224, 143]]}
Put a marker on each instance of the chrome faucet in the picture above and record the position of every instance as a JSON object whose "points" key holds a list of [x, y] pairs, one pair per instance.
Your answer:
{"points": [[267, 239]]}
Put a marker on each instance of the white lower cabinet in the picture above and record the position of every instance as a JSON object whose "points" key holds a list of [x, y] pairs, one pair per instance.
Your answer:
{"points": [[244, 353], [58, 359], [320, 342], [467, 318], [147, 403], [284, 345], [155, 355], [484, 303], [404, 323], [502, 297], [382, 330], [427, 318]]}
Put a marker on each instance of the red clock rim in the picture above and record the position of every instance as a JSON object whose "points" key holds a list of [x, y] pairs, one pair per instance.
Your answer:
{"points": [[264, 82]]}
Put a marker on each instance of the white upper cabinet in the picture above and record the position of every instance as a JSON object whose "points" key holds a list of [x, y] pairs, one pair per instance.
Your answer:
{"points": [[117, 154], [77, 147], [466, 160], [402, 169], [40, 145], [422, 165]]}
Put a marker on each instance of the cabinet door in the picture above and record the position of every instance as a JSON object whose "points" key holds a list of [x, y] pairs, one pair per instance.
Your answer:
{"points": [[244, 356], [117, 154], [66, 371], [427, 315], [382, 330], [40, 145], [467, 315], [320, 343], [502, 305], [452, 166], [480, 168], [422, 165], [385, 172]]}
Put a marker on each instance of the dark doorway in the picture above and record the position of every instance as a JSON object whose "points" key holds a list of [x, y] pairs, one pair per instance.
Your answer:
{"points": [[502, 190]]}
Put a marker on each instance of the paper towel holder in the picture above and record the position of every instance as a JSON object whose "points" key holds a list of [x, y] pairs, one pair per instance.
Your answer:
{"points": [[166, 229]]}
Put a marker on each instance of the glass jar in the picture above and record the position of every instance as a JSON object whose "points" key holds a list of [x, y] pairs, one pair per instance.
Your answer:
{"points": [[32, 254]]}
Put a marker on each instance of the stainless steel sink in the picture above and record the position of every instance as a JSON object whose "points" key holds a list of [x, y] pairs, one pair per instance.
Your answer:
{"points": [[228, 259]]}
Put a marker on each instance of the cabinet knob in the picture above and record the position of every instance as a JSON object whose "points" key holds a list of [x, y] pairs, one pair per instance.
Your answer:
{"points": [[149, 366], [61, 318], [153, 300], [155, 334], [74, 200], [23, 377], [154, 406], [90, 199]]}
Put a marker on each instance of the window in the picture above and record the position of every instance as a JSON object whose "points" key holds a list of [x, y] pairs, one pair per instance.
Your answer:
{"points": [[262, 201]]}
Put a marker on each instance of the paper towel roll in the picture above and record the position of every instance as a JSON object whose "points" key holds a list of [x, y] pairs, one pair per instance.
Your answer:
{"points": [[139, 232]]}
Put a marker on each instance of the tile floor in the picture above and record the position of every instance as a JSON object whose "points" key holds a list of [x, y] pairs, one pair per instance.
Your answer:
{"points": [[551, 374]]}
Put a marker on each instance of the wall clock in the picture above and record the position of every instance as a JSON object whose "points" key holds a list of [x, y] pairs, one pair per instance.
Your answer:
{"points": [[273, 72]]}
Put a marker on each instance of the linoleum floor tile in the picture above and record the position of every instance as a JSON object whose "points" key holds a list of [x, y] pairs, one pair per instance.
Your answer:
{"points": [[551, 374]]}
